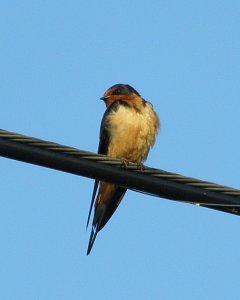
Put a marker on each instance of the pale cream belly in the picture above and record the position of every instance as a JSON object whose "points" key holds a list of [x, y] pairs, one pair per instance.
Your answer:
{"points": [[132, 133]]}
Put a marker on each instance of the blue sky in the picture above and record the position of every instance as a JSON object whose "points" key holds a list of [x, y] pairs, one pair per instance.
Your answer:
{"points": [[57, 58]]}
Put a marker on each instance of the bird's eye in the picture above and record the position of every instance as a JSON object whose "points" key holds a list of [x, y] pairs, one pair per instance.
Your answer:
{"points": [[122, 90], [117, 92]]}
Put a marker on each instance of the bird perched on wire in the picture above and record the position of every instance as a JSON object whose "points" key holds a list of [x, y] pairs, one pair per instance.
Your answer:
{"points": [[128, 130]]}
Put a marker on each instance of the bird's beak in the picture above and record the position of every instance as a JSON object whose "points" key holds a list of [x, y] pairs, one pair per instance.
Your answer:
{"points": [[104, 98]]}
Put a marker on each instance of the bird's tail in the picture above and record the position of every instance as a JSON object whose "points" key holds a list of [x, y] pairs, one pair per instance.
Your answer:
{"points": [[112, 196], [97, 220], [92, 239]]}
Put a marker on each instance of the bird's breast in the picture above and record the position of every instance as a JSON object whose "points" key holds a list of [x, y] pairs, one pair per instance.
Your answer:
{"points": [[132, 132]]}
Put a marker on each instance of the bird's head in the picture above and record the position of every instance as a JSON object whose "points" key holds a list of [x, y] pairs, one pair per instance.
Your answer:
{"points": [[118, 92]]}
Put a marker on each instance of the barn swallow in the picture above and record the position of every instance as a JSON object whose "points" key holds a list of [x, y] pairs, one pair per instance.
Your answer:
{"points": [[128, 130]]}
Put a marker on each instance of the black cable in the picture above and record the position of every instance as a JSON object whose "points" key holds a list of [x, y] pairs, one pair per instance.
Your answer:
{"points": [[147, 180]]}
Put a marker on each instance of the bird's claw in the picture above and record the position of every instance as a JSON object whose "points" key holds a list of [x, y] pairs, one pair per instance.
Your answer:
{"points": [[124, 163], [140, 167]]}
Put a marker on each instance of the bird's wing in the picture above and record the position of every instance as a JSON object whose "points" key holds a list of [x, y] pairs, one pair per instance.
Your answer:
{"points": [[102, 149], [111, 196]]}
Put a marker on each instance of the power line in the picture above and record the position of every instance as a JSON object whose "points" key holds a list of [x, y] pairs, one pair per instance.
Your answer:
{"points": [[147, 180]]}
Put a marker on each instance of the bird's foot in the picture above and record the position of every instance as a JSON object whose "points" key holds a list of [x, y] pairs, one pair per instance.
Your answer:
{"points": [[124, 162], [140, 167]]}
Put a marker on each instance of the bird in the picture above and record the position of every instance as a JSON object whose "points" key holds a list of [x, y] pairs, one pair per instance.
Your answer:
{"points": [[128, 130]]}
